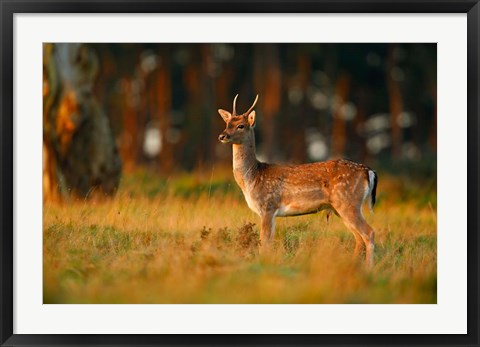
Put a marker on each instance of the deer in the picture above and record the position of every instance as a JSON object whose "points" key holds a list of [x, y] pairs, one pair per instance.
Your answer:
{"points": [[272, 190]]}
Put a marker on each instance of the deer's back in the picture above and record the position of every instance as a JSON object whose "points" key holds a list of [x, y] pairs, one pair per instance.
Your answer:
{"points": [[306, 188]]}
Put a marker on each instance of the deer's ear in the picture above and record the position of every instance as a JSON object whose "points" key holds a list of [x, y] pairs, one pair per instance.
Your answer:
{"points": [[225, 115], [251, 119]]}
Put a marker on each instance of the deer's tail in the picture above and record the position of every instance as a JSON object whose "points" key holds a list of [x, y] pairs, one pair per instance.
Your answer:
{"points": [[372, 187]]}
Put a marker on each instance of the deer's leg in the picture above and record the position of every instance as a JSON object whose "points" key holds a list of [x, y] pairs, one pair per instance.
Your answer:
{"points": [[358, 239], [358, 244], [367, 234], [368, 238], [354, 221], [267, 228]]}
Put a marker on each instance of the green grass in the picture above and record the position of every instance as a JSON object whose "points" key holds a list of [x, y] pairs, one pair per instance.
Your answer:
{"points": [[192, 239]]}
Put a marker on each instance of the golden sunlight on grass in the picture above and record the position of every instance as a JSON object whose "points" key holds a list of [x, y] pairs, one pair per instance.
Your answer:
{"points": [[192, 239]]}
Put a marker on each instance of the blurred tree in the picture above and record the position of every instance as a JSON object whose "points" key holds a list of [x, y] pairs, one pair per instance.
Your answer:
{"points": [[268, 84], [80, 156], [223, 97], [396, 100], [194, 116], [130, 130], [163, 102], [367, 102], [339, 136], [211, 69]]}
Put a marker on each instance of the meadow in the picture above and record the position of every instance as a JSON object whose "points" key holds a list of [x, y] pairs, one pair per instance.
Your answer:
{"points": [[192, 239]]}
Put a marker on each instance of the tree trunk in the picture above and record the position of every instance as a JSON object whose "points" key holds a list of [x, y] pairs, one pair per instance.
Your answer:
{"points": [[396, 104], [268, 84], [433, 129], [164, 107], [80, 155], [129, 137], [339, 136]]}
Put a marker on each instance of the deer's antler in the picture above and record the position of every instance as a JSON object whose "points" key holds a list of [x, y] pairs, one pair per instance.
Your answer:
{"points": [[251, 107], [234, 112]]}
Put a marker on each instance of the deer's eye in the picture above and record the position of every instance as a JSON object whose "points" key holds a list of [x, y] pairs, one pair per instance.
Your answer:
{"points": [[241, 126]]}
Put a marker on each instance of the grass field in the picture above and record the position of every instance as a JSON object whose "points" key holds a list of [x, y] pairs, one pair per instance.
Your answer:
{"points": [[192, 239]]}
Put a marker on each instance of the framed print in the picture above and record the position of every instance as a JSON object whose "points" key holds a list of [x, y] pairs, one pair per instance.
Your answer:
{"points": [[242, 173]]}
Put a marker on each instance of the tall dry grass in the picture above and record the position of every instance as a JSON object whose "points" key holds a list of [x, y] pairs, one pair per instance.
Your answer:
{"points": [[192, 239]]}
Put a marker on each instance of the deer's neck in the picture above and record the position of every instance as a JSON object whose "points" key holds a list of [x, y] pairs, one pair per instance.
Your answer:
{"points": [[245, 162]]}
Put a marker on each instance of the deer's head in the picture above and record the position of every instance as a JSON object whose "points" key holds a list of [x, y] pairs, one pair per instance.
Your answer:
{"points": [[239, 127]]}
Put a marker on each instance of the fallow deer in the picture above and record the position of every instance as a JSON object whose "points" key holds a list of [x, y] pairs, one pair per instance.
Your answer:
{"points": [[271, 190]]}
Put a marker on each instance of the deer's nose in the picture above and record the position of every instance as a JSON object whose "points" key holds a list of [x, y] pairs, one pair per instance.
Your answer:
{"points": [[223, 137]]}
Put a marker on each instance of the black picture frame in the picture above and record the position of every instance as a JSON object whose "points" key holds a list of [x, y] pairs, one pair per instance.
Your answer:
{"points": [[10, 7]]}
